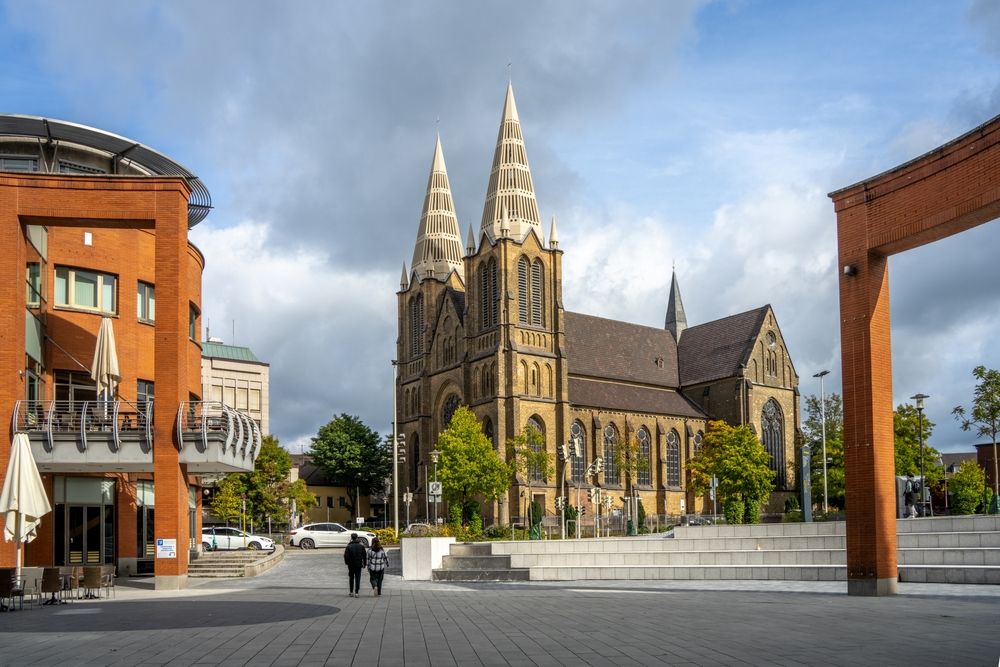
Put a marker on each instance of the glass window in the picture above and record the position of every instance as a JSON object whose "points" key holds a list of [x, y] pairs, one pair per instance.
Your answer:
{"points": [[535, 472], [18, 164], [193, 322], [673, 459], [255, 399], [578, 441], [773, 428], [146, 302], [144, 391], [34, 271], [522, 290], [88, 290], [610, 444], [643, 475]]}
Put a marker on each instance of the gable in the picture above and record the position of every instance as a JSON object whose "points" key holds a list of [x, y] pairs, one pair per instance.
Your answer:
{"points": [[715, 350]]}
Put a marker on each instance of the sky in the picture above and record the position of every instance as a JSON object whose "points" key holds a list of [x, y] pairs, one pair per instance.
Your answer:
{"points": [[701, 135]]}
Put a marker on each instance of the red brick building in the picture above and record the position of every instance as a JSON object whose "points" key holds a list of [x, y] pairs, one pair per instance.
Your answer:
{"points": [[95, 226]]}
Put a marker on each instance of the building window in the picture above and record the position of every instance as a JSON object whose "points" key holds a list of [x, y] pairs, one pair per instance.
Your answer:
{"points": [[644, 476], [673, 459], [488, 430], [773, 429], [448, 410], [193, 322], [74, 387], [414, 462], [34, 277], [146, 302], [522, 290], [143, 392], [535, 472], [87, 290], [66, 167], [530, 292], [578, 441], [610, 444], [488, 294], [18, 164], [537, 293], [417, 325], [698, 437]]}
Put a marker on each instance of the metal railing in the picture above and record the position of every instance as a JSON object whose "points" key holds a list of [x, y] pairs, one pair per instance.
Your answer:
{"points": [[198, 421], [87, 420]]}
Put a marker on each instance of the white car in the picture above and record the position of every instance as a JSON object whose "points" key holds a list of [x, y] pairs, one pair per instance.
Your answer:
{"points": [[315, 535], [222, 538]]}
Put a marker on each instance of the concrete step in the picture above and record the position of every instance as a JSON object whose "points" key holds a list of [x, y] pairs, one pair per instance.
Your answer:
{"points": [[950, 557], [482, 575], [684, 558], [475, 562], [468, 549], [962, 539], [721, 572], [949, 574]]}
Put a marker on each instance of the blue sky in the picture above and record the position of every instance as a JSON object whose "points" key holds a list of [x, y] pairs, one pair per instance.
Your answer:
{"points": [[702, 133]]}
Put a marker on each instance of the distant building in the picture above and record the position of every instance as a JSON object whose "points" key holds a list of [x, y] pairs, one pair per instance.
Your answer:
{"points": [[331, 496], [987, 461], [233, 375]]}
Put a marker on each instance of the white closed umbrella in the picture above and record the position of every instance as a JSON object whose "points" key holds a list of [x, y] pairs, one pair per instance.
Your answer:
{"points": [[104, 371], [22, 498]]}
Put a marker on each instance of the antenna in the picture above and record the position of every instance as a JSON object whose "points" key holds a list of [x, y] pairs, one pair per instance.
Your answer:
{"points": [[509, 79]]}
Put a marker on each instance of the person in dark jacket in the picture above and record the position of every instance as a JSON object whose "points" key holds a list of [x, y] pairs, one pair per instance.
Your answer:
{"points": [[355, 557]]}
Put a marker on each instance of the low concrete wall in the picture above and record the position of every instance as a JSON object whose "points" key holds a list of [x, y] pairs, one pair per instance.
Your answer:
{"points": [[266, 563], [421, 555]]}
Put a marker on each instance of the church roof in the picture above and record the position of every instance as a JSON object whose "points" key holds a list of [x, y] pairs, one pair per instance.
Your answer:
{"points": [[715, 350], [510, 185], [612, 350], [614, 396], [458, 300], [438, 250]]}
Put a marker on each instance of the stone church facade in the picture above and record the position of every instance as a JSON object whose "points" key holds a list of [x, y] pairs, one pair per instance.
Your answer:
{"points": [[484, 326]]}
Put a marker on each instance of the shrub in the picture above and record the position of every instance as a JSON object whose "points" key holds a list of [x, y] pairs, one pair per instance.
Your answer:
{"points": [[498, 532], [967, 487], [733, 510], [641, 515], [386, 535]]}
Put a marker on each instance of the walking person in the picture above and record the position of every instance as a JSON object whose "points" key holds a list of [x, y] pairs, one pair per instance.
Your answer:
{"points": [[378, 560], [909, 498], [355, 558]]}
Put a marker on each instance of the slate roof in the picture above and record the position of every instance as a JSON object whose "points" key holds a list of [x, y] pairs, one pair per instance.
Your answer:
{"points": [[956, 459], [608, 349], [310, 472], [613, 396], [715, 350], [230, 352], [457, 300]]}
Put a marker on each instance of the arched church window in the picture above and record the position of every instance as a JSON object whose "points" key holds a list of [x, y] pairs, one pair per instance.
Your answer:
{"points": [[773, 430], [522, 290], [448, 409], [673, 459], [414, 461], [488, 429], [698, 438], [535, 472], [610, 445], [578, 435], [537, 293], [417, 324], [488, 293], [644, 475]]}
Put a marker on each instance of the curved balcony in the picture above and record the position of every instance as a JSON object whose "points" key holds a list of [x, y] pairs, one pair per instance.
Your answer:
{"points": [[117, 436]]}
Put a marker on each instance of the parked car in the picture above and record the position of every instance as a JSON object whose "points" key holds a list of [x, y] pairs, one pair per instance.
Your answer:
{"points": [[223, 538], [316, 535]]}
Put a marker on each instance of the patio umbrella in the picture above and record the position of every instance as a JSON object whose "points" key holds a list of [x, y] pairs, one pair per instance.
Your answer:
{"points": [[23, 498], [104, 370]]}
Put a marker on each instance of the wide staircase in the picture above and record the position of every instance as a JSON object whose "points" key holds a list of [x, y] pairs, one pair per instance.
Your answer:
{"points": [[932, 550], [228, 564], [476, 562]]}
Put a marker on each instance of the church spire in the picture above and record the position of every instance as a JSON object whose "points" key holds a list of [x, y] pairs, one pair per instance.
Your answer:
{"points": [[676, 321], [438, 250], [470, 242], [404, 279], [510, 184], [553, 236]]}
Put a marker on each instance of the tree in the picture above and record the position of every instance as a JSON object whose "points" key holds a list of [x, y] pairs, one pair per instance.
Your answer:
{"points": [[347, 451], [228, 501], [529, 459], [737, 458], [906, 431], [967, 486], [469, 468], [627, 459], [813, 431], [985, 414]]}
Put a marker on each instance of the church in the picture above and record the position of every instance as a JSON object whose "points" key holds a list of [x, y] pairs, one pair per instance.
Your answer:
{"points": [[484, 326]]}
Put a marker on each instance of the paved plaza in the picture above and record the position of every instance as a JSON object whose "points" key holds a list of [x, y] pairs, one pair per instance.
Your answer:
{"points": [[299, 614]]}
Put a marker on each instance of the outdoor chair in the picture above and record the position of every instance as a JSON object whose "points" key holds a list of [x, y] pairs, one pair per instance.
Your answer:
{"points": [[93, 579], [52, 583], [31, 580], [10, 589], [108, 579], [71, 575]]}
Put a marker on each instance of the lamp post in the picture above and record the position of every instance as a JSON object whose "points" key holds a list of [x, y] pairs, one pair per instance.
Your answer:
{"points": [[919, 398], [944, 471], [395, 458], [822, 412], [435, 454]]}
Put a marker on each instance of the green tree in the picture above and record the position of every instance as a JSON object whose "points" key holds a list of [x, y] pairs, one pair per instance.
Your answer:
{"points": [[813, 432], [469, 468], [347, 451], [228, 501], [529, 460], [985, 414], [737, 458], [906, 430], [627, 459], [967, 486]]}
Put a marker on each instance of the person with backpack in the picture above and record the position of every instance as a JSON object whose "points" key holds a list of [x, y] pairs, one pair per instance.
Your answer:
{"points": [[909, 498], [355, 557], [378, 560]]}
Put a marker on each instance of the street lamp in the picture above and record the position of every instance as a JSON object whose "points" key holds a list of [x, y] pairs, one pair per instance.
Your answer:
{"points": [[919, 398], [395, 461], [822, 412], [435, 455]]}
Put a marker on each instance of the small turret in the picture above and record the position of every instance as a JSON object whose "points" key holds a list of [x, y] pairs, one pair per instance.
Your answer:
{"points": [[404, 280], [553, 236], [676, 320], [470, 243]]}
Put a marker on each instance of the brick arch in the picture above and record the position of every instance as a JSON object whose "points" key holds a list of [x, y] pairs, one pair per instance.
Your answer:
{"points": [[950, 189]]}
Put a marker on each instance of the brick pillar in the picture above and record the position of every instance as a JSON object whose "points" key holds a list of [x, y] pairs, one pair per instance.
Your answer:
{"points": [[868, 430], [171, 370], [12, 295]]}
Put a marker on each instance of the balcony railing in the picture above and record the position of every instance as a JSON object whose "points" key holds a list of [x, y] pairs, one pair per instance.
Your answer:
{"points": [[91, 435]]}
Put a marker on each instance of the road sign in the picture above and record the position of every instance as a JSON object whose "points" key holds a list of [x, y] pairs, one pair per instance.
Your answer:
{"points": [[435, 488]]}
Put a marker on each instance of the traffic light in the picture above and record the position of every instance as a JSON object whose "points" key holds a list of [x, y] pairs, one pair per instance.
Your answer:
{"points": [[599, 465], [577, 447], [590, 495], [401, 448], [564, 451], [560, 503]]}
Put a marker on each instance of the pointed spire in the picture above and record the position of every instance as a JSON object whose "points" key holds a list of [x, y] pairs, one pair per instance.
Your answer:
{"points": [[404, 279], [470, 243], [676, 321], [504, 223], [510, 183], [553, 236], [438, 250]]}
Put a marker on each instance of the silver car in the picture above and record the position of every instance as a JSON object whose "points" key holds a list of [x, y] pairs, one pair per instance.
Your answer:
{"points": [[316, 535]]}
